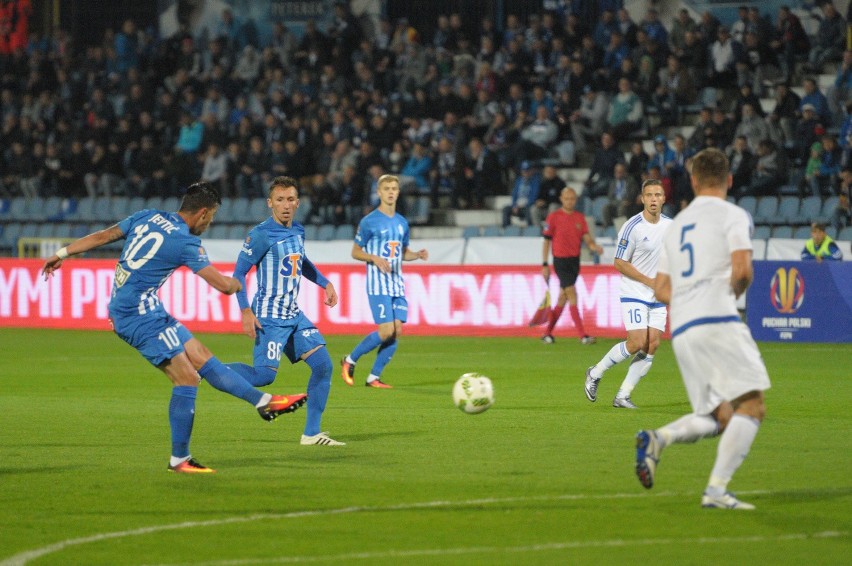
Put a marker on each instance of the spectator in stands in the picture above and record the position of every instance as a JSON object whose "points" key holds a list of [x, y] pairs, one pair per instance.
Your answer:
{"points": [[820, 247], [524, 194], [589, 120], [482, 173], [215, 168], [626, 111], [723, 128], [738, 28], [826, 175], [603, 165], [842, 215], [537, 138], [786, 112], [790, 40], [548, 195], [725, 53], [816, 98], [841, 90], [742, 161], [682, 24], [808, 130], [638, 161], [20, 173], [254, 172], [770, 171], [830, 39], [446, 175], [752, 127], [676, 89], [622, 193], [418, 167], [147, 174]]}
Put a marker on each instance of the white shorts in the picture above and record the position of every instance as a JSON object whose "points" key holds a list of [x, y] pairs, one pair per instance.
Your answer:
{"points": [[718, 362], [639, 316]]}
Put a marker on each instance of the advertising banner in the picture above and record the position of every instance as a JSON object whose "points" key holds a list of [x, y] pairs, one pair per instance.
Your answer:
{"points": [[442, 299], [795, 301]]}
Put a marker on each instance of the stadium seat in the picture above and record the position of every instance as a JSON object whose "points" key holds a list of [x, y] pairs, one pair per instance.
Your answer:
{"points": [[119, 208], [511, 231], [79, 230], [224, 213], [761, 232], [154, 203], [239, 210], [310, 232], [63, 230], [9, 238], [845, 234], [236, 232], [136, 203], [217, 232], [34, 209], [532, 231], [304, 210], [789, 190], [809, 210], [325, 232], [257, 211], [17, 210], [492, 231], [782, 232], [610, 232], [802, 233], [749, 204], [170, 204], [470, 232], [344, 232], [45, 230], [767, 209], [421, 210], [828, 208], [788, 208]]}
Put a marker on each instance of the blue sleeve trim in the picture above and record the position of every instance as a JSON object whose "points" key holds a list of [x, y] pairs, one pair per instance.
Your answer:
{"points": [[705, 320], [654, 305]]}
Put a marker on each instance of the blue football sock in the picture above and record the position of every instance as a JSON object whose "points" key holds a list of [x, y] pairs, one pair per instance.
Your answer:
{"points": [[181, 415], [318, 387], [368, 344], [256, 376], [383, 358], [225, 379]]}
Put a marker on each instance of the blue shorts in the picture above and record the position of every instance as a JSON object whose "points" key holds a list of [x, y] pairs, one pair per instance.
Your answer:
{"points": [[158, 336], [388, 309], [291, 337]]}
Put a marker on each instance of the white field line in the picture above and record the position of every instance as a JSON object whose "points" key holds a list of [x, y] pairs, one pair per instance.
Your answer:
{"points": [[23, 558]]}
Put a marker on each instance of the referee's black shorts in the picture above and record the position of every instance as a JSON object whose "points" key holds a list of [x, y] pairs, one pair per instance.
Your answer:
{"points": [[567, 269]]}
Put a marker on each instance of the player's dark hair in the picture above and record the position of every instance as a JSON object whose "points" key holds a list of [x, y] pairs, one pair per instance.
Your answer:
{"points": [[200, 195], [283, 181], [710, 168]]}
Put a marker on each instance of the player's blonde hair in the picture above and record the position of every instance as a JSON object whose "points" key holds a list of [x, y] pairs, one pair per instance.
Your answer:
{"points": [[710, 168], [387, 178]]}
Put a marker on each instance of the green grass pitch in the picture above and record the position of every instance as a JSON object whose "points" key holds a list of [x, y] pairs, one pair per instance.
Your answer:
{"points": [[543, 477]]}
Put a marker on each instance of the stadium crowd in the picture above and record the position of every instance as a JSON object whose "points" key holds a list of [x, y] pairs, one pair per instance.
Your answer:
{"points": [[460, 117]]}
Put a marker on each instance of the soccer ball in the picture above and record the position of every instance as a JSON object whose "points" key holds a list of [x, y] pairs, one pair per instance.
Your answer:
{"points": [[473, 393]]}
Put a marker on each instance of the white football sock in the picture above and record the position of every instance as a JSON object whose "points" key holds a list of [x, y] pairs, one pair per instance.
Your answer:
{"points": [[174, 460], [264, 400], [616, 354], [639, 368], [371, 378], [689, 428], [734, 446]]}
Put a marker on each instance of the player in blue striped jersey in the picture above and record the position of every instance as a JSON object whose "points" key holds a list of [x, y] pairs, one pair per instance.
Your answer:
{"points": [[157, 243], [382, 242], [276, 249], [640, 242]]}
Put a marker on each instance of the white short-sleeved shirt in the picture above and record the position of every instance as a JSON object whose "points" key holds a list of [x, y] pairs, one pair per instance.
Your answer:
{"points": [[640, 242], [696, 255]]}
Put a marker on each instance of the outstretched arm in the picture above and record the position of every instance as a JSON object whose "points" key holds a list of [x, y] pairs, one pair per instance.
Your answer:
{"points": [[410, 255], [220, 282], [84, 244]]}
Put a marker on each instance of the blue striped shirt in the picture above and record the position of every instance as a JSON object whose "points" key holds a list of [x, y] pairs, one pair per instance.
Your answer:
{"points": [[387, 237]]}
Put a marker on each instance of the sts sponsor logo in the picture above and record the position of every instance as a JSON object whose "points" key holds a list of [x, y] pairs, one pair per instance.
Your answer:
{"points": [[392, 249]]}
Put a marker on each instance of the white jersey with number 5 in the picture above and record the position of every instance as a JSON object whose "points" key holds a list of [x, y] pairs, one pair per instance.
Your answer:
{"points": [[697, 256]]}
